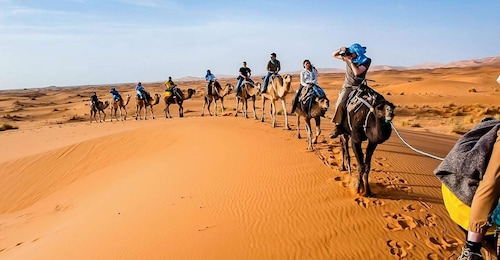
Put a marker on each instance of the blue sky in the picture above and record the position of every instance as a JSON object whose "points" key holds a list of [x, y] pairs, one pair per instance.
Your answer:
{"points": [[81, 42]]}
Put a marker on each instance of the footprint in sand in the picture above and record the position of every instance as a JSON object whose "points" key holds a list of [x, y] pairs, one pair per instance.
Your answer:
{"points": [[365, 202], [430, 220], [398, 221], [396, 183], [399, 248], [442, 243]]}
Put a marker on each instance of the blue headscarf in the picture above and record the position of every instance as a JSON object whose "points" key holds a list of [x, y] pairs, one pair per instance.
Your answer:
{"points": [[360, 53]]}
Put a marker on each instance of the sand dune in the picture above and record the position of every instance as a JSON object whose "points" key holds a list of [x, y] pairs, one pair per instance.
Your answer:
{"points": [[225, 187]]}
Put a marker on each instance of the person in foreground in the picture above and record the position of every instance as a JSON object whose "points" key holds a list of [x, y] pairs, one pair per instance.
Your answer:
{"points": [[357, 65], [245, 73], [309, 80], [470, 174], [273, 68]]}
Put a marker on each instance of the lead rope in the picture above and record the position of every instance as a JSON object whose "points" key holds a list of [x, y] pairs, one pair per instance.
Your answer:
{"points": [[411, 147]]}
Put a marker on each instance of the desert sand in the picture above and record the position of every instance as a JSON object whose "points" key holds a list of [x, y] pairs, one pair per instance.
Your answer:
{"points": [[225, 187]]}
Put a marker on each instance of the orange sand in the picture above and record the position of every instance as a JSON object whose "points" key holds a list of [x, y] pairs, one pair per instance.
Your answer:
{"points": [[225, 187]]}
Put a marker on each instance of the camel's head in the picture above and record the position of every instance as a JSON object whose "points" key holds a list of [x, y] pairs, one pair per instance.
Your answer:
{"points": [[258, 86], [229, 87], [323, 104], [288, 81], [385, 110], [191, 92]]}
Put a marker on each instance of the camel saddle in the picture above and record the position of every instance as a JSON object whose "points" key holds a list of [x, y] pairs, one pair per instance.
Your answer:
{"points": [[308, 95], [362, 95]]}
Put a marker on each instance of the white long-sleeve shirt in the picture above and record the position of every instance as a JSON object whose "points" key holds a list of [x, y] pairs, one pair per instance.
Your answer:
{"points": [[307, 77]]}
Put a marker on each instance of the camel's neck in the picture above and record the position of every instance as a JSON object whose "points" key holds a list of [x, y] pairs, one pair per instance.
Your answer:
{"points": [[380, 131]]}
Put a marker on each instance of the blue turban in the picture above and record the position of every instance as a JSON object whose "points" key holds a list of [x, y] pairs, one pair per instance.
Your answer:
{"points": [[360, 52]]}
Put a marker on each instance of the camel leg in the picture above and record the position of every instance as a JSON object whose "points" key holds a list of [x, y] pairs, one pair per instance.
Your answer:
{"points": [[298, 126], [203, 109], [308, 133], [246, 108], [263, 108], [222, 105], [237, 106], [104, 113], [253, 104], [370, 149], [273, 113], [358, 153], [317, 120], [152, 112], [125, 110], [283, 104], [181, 110], [346, 157], [215, 107]]}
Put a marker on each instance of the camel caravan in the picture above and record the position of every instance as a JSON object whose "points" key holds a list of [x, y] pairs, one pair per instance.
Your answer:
{"points": [[366, 114]]}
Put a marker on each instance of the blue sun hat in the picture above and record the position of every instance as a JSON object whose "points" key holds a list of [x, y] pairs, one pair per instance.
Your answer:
{"points": [[360, 53]]}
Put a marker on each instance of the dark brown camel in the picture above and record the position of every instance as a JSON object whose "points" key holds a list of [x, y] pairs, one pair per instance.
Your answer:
{"points": [[121, 105], [98, 108], [217, 93], [139, 104], [177, 97], [248, 91], [370, 120], [309, 109]]}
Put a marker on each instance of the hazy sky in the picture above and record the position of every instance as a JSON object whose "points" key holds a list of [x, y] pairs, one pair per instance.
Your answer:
{"points": [[80, 42]]}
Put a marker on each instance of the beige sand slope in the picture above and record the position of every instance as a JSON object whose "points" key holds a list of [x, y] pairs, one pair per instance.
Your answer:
{"points": [[225, 187], [214, 188]]}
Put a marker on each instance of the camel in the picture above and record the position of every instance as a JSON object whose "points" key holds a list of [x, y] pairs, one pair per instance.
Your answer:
{"points": [[369, 120], [311, 106], [97, 108], [248, 91], [217, 93], [119, 104], [177, 97], [278, 88], [140, 104]]}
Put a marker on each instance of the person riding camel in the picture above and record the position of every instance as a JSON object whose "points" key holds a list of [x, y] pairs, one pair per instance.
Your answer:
{"points": [[309, 81], [245, 73], [94, 99], [273, 68], [142, 93], [357, 65], [170, 87], [210, 79], [115, 95]]}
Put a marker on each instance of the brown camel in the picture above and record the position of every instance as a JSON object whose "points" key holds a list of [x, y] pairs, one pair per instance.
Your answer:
{"points": [[369, 118], [97, 108], [278, 88], [177, 97], [311, 106], [217, 93], [140, 104], [119, 104], [248, 91]]}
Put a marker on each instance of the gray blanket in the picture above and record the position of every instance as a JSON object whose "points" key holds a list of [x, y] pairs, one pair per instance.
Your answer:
{"points": [[465, 164]]}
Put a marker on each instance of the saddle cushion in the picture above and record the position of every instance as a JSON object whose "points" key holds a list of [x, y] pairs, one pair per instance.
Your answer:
{"points": [[308, 95]]}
